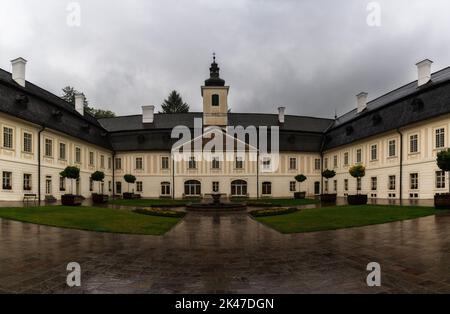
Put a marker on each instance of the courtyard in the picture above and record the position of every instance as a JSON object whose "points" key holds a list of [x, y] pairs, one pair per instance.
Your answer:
{"points": [[228, 253]]}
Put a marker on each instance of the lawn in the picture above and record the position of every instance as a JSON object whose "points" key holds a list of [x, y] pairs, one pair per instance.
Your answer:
{"points": [[91, 218], [283, 201], [151, 202], [338, 217]]}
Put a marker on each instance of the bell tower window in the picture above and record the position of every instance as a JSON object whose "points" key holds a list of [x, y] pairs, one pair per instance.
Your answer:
{"points": [[215, 100]]}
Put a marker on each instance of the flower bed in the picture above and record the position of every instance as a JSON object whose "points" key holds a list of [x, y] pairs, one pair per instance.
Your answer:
{"points": [[159, 212], [273, 212]]}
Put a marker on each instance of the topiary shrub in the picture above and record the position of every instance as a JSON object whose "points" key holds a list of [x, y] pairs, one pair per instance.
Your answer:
{"points": [[357, 171], [72, 173], [300, 178]]}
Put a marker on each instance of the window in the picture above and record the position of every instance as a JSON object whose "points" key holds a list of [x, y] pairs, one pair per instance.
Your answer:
{"points": [[440, 179], [48, 147], [215, 186], [326, 186], [335, 161], [139, 186], [118, 187], [292, 186], [27, 183], [292, 163], [239, 188], [325, 163], [165, 188], [77, 155], [109, 186], [266, 163], [374, 183], [346, 184], [346, 161], [164, 162], [91, 158], [335, 185], [373, 152], [192, 188], [414, 143], [316, 164], [215, 100], [191, 163], [102, 161], [239, 163], [414, 181], [392, 147], [109, 162], [27, 142], [62, 184], [8, 137], [62, 151], [266, 188], [215, 163], [48, 185], [91, 184], [139, 164], [358, 155], [440, 138], [391, 183], [118, 163]]}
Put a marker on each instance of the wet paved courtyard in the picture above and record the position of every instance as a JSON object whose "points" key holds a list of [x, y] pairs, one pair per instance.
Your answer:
{"points": [[228, 253]]}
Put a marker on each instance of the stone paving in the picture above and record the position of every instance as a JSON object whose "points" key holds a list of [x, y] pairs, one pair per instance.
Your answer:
{"points": [[228, 253]]}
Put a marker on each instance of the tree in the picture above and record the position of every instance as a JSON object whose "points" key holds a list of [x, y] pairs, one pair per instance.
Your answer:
{"points": [[443, 162], [174, 104], [72, 173], [300, 178], [129, 178], [69, 96], [98, 176], [328, 174], [357, 171]]}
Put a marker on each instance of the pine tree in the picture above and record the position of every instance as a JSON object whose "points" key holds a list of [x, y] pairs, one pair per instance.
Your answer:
{"points": [[69, 96], [174, 104]]}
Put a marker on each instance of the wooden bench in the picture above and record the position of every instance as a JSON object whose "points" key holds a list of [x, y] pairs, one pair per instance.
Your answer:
{"points": [[28, 197]]}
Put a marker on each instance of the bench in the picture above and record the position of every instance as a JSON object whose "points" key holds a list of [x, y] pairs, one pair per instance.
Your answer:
{"points": [[28, 197]]}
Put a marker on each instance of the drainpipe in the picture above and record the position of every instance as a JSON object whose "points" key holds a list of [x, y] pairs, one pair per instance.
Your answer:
{"points": [[401, 166], [257, 174], [113, 162], [321, 171], [39, 163], [173, 176]]}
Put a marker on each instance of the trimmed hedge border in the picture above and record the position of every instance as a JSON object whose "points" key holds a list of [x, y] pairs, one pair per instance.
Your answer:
{"points": [[159, 212], [260, 204], [273, 212]]}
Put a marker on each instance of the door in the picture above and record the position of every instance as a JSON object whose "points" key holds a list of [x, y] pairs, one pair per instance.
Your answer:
{"points": [[316, 188], [118, 187]]}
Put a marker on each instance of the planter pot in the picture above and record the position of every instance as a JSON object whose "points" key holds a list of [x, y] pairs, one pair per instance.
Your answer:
{"points": [[300, 195], [70, 200], [357, 199], [127, 196], [99, 198], [442, 201], [328, 198]]}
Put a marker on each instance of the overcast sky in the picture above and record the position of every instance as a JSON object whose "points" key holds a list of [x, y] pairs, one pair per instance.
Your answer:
{"points": [[312, 57]]}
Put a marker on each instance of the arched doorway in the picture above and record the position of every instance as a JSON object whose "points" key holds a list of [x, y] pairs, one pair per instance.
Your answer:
{"points": [[192, 188], [239, 188]]}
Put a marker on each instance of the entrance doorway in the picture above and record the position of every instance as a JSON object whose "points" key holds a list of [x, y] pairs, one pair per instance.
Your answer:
{"points": [[317, 188]]}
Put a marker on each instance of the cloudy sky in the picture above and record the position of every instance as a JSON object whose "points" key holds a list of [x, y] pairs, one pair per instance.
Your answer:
{"points": [[310, 56]]}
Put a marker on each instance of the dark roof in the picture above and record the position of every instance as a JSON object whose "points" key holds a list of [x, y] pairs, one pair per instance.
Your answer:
{"points": [[44, 108]]}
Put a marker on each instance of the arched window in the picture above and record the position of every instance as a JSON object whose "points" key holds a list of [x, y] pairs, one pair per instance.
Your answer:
{"points": [[239, 188], [165, 188], [215, 100], [266, 188], [192, 188]]}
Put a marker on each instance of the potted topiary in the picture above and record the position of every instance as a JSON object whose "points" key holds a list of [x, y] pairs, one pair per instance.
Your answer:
{"points": [[357, 171], [129, 178], [300, 178], [327, 197], [72, 173], [442, 201], [98, 198]]}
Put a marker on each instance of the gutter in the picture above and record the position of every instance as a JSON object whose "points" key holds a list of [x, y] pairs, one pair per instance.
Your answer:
{"points": [[39, 163], [113, 161], [173, 176], [401, 165]]}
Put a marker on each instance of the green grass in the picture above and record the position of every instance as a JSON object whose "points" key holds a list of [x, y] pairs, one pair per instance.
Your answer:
{"points": [[283, 202], [338, 217], [151, 202], [92, 219]]}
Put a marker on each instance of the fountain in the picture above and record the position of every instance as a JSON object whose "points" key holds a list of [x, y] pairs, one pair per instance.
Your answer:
{"points": [[216, 205]]}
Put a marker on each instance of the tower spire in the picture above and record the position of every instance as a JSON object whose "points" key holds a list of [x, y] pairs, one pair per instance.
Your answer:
{"points": [[214, 76]]}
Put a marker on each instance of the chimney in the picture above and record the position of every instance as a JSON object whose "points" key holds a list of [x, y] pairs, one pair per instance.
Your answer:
{"points": [[424, 71], [281, 114], [361, 100], [18, 70], [147, 114], [79, 103]]}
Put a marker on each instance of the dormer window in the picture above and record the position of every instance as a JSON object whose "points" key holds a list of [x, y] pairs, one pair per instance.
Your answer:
{"points": [[215, 100]]}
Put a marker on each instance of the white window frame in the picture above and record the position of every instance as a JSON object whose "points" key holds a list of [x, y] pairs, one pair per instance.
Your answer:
{"points": [[8, 144], [46, 151], [394, 147], [24, 144], [417, 146], [65, 151]]}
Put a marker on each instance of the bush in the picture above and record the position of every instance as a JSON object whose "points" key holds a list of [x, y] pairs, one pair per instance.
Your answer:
{"points": [[300, 178], [98, 176], [259, 204], [273, 212], [328, 174], [159, 212], [129, 178], [357, 171]]}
